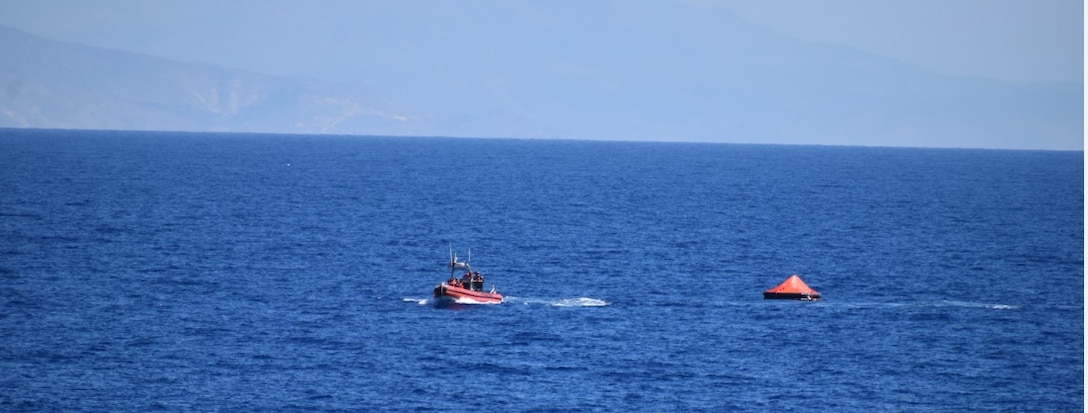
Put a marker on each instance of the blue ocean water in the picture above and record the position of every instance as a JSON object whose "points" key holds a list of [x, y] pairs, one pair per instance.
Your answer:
{"points": [[148, 271]]}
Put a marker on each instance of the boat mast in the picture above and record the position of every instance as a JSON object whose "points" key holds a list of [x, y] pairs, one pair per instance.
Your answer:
{"points": [[455, 265]]}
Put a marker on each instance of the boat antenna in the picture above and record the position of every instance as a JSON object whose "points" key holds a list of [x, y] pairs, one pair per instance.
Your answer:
{"points": [[453, 261]]}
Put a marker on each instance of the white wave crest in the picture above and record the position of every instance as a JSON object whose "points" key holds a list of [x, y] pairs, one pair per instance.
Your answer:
{"points": [[420, 301], [969, 304], [474, 302], [580, 302]]}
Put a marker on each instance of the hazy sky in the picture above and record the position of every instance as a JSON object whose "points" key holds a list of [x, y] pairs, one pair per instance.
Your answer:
{"points": [[844, 72], [1011, 40]]}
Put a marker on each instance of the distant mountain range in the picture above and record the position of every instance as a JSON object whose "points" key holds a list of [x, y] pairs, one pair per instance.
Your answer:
{"points": [[715, 78], [49, 84]]}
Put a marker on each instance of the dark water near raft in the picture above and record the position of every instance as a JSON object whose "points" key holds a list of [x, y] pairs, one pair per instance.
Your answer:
{"points": [[183, 272]]}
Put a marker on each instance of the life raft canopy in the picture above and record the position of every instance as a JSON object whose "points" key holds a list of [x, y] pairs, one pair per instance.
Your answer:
{"points": [[794, 288]]}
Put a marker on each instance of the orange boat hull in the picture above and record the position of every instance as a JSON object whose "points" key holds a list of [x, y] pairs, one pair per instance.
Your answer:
{"points": [[451, 294]]}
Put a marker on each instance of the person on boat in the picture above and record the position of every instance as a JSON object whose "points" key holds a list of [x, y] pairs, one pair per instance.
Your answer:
{"points": [[478, 281], [466, 279]]}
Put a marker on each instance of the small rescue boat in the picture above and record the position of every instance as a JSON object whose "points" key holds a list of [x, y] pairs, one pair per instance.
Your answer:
{"points": [[469, 289]]}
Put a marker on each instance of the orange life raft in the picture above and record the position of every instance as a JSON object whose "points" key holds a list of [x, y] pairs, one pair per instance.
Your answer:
{"points": [[792, 289]]}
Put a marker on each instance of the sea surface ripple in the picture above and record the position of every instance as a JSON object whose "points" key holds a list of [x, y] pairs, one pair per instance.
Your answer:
{"points": [[146, 271]]}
